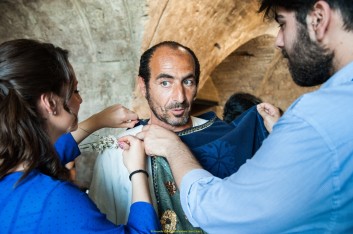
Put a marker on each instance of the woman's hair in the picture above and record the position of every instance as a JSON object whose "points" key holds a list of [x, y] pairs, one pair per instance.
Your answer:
{"points": [[237, 104], [29, 69]]}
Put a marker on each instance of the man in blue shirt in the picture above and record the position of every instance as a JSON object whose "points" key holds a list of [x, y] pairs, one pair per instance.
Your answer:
{"points": [[301, 178]]}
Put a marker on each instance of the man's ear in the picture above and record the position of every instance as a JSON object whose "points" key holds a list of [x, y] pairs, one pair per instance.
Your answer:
{"points": [[48, 103], [142, 85], [320, 18]]}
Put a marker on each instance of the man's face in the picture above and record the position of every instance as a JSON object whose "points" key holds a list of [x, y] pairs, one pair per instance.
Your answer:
{"points": [[309, 63], [172, 88]]}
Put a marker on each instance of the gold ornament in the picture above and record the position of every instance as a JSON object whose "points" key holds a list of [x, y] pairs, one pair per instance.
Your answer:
{"points": [[169, 221], [171, 187]]}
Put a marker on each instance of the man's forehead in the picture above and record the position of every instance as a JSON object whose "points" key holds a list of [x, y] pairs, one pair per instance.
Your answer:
{"points": [[164, 55], [165, 51], [282, 13]]}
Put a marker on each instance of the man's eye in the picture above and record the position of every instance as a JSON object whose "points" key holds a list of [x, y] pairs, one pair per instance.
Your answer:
{"points": [[189, 82], [165, 83]]}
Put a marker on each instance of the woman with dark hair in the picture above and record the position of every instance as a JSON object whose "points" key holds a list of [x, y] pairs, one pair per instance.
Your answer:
{"points": [[237, 104], [39, 102]]}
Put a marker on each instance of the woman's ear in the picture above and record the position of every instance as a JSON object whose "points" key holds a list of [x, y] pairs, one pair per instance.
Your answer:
{"points": [[320, 18], [142, 85], [49, 103]]}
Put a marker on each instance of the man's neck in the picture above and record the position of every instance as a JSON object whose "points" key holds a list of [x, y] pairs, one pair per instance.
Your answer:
{"points": [[158, 122], [340, 42]]}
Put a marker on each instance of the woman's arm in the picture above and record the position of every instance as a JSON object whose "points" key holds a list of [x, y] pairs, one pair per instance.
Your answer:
{"points": [[115, 116], [135, 162]]}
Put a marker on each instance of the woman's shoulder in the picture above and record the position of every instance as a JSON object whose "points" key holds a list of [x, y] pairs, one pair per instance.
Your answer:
{"points": [[46, 188], [68, 209], [64, 197]]}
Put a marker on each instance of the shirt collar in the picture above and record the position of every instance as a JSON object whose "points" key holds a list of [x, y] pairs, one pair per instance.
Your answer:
{"points": [[344, 75]]}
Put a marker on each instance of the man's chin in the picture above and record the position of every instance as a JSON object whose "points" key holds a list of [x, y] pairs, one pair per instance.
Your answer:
{"points": [[178, 121]]}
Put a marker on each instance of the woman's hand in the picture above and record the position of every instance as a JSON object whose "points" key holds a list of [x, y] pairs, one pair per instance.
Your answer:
{"points": [[134, 153], [135, 159], [116, 116], [269, 113]]}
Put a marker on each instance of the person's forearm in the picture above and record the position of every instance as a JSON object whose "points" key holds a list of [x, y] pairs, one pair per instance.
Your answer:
{"points": [[162, 142], [85, 128], [140, 189], [181, 162]]}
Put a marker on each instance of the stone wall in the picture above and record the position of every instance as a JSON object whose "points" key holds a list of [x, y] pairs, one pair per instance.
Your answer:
{"points": [[103, 38]]}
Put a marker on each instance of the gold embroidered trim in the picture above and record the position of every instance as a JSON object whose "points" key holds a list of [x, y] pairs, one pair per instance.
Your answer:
{"points": [[169, 221], [154, 175], [171, 187], [197, 128]]}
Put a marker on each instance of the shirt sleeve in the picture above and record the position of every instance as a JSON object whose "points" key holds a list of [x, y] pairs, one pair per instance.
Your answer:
{"points": [[143, 217], [67, 148], [271, 190], [196, 176]]}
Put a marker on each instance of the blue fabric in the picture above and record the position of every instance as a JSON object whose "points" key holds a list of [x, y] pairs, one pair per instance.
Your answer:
{"points": [[40, 204], [222, 148], [67, 148], [300, 180]]}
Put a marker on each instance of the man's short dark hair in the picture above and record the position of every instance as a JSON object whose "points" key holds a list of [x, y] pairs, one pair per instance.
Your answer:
{"points": [[303, 7]]}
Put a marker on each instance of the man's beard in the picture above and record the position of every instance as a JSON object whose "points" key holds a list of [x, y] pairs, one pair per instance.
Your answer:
{"points": [[309, 63], [175, 121]]}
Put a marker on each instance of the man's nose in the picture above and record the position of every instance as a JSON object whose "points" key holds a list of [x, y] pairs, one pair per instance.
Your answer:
{"points": [[279, 43], [179, 93]]}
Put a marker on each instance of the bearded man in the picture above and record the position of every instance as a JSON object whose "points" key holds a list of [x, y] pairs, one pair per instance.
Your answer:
{"points": [[301, 178], [168, 78]]}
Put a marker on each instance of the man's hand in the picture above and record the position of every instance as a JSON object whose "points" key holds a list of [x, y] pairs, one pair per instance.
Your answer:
{"points": [[162, 142], [159, 141]]}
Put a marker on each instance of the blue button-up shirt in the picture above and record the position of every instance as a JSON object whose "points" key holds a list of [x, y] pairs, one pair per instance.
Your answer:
{"points": [[300, 180]]}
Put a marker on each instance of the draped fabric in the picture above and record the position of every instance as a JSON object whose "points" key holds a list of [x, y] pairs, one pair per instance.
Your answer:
{"points": [[220, 148]]}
